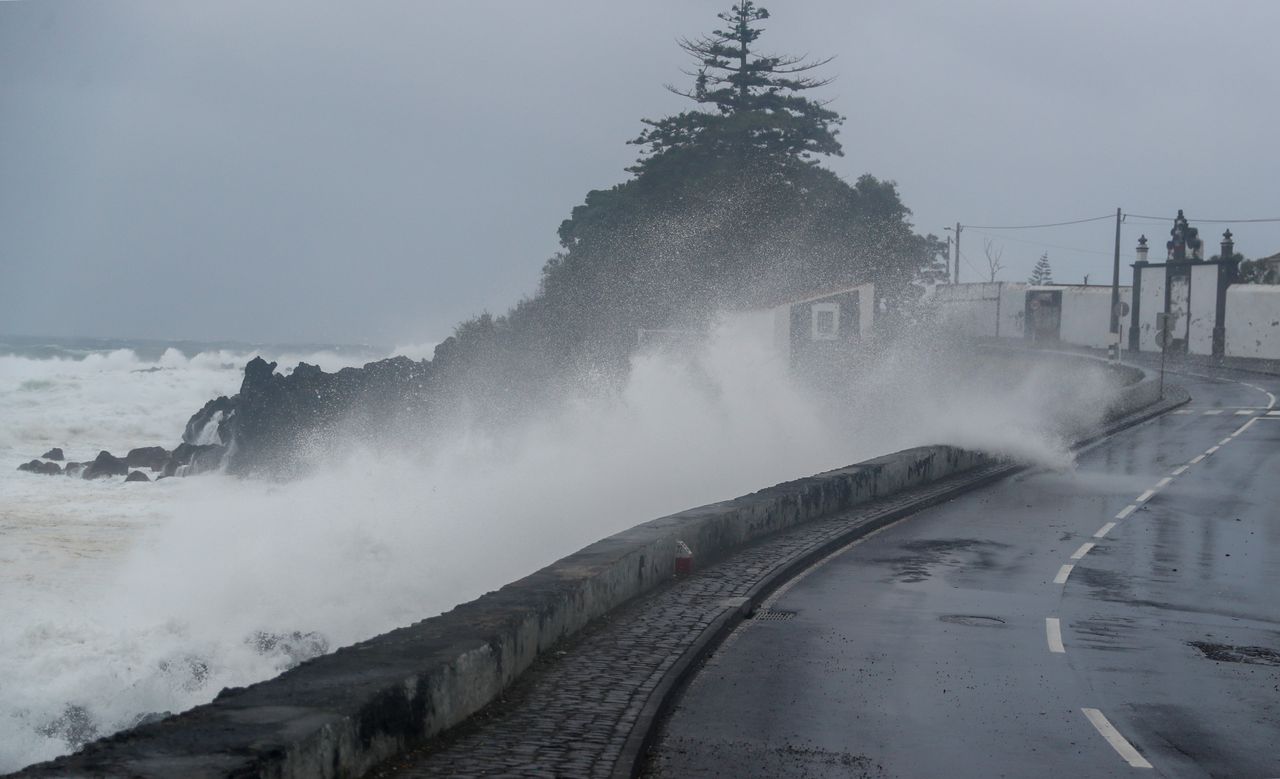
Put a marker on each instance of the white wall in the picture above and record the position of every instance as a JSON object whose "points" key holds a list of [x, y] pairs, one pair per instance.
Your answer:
{"points": [[1086, 315], [1253, 321], [1204, 305], [1152, 300], [975, 309]]}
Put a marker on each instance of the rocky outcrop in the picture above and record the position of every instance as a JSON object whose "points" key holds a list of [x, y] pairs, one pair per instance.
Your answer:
{"points": [[105, 464], [137, 476], [36, 466], [53, 454], [190, 459], [276, 418], [211, 424], [153, 457]]}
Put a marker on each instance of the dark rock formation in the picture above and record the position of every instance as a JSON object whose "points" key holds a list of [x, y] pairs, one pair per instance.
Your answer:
{"points": [[280, 424], [189, 459], [105, 464], [153, 457], [137, 476], [211, 424], [53, 454], [36, 466], [74, 469]]}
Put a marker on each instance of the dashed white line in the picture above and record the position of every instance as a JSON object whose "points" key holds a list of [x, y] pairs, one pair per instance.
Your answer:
{"points": [[1212, 412], [1245, 412], [1225, 441], [1146, 496], [1212, 449], [1083, 550], [1184, 411], [1164, 482], [1063, 573], [1244, 427], [1126, 511], [1197, 459], [1181, 469], [1053, 634], [1102, 531], [1118, 742]]}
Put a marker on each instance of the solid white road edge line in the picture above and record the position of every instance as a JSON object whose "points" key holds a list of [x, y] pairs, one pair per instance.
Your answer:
{"points": [[1117, 741], [1063, 573], [1102, 531], [1083, 550], [1053, 634]]}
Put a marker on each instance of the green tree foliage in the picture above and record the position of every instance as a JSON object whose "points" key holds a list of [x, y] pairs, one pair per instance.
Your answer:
{"points": [[727, 206], [1042, 273]]}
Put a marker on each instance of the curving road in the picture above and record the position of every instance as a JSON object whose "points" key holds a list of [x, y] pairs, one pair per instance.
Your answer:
{"points": [[1119, 620]]}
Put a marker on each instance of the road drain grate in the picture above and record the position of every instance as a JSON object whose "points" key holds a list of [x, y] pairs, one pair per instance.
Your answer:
{"points": [[772, 615], [1225, 653]]}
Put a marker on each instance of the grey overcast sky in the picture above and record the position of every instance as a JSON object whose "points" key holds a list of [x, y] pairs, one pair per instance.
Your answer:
{"points": [[374, 172]]}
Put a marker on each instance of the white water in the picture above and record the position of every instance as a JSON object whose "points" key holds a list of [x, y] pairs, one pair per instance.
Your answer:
{"points": [[123, 599]]}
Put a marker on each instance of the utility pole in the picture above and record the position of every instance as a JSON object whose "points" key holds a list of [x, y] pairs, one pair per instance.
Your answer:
{"points": [[1114, 347], [958, 229]]}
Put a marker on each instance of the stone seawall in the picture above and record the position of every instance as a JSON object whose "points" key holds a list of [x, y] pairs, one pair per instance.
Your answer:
{"points": [[341, 714]]}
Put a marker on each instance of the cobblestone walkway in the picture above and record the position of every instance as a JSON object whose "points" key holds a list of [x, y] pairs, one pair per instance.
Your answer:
{"points": [[573, 713]]}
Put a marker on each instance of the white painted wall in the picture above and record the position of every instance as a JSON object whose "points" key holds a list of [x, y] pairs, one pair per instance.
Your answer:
{"points": [[1204, 305], [1253, 321], [1086, 315], [1152, 300], [975, 309]]}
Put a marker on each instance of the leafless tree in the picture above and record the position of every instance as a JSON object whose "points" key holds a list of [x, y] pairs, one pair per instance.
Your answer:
{"points": [[994, 253]]}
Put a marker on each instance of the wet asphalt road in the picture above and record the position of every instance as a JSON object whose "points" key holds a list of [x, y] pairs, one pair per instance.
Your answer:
{"points": [[932, 648]]}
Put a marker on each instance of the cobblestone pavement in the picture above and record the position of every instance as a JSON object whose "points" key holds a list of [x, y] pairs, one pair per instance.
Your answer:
{"points": [[572, 714]]}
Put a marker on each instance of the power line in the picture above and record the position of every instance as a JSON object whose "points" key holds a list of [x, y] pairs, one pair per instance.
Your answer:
{"points": [[1048, 245], [1217, 221], [1050, 224]]}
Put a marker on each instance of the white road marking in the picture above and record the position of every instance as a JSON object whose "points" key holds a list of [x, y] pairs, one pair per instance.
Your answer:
{"points": [[1225, 441], [1245, 412], [1053, 634], [1181, 469], [1164, 482], [1117, 741], [1212, 412], [1102, 531], [1273, 413], [1063, 573], [1184, 411], [1083, 550], [1146, 496], [1197, 459], [1126, 511], [1212, 449]]}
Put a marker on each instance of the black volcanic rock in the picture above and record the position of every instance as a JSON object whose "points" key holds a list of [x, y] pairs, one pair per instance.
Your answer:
{"points": [[74, 469], [192, 459], [282, 423], [153, 457], [36, 466], [218, 412], [137, 476], [53, 454], [105, 464]]}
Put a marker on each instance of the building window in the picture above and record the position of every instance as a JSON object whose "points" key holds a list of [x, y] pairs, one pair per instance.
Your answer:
{"points": [[826, 321]]}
